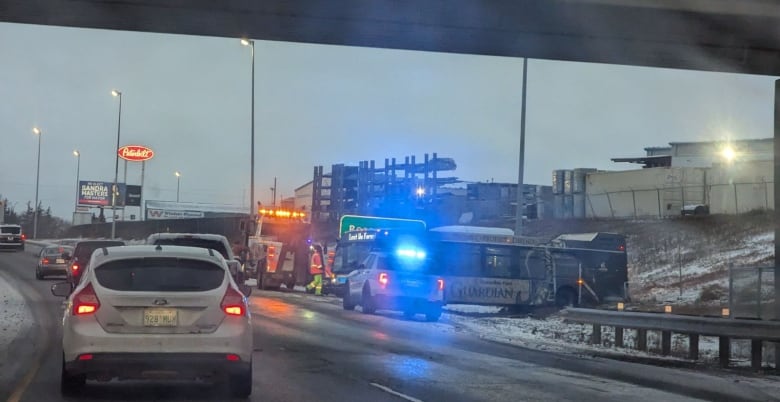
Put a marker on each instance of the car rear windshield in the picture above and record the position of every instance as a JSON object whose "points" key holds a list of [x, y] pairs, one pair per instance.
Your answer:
{"points": [[84, 250], [216, 245], [52, 251], [10, 230], [160, 275], [408, 264]]}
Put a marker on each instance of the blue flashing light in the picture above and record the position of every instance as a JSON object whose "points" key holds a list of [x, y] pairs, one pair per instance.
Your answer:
{"points": [[411, 253]]}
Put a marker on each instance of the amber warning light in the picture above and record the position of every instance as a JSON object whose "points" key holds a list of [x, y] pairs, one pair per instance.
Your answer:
{"points": [[281, 213]]}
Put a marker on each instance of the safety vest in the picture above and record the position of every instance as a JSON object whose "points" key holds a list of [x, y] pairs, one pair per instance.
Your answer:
{"points": [[316, 264]]}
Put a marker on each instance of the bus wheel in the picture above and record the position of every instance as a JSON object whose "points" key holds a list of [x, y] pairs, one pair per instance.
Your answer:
{"points": [[290, 284], [367, 301], [565, 297]]}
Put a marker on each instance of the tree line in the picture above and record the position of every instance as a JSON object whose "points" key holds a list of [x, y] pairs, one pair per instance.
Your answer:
{"points": [[49, 226]]}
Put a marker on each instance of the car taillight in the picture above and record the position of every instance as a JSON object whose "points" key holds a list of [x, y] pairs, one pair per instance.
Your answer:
{"points": [[74, 268], [383, 279], [24, 236], [45, 261], [440, 284], [85, 301], [233, 303]]}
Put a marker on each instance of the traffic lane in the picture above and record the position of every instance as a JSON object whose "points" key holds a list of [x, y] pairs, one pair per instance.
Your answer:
{"points": [[31, 351], [275, 377], [692, 383], [426, 361]]}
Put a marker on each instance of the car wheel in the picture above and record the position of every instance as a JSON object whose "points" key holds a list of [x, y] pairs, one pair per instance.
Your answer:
{"points": [[241, 385], [367, 301], [565, 298], [433, 313], [346, 301], [71, 384], [38, 275]]}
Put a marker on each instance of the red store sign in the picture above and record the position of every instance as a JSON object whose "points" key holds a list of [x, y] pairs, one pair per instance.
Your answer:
{"points": [[135, 153]]}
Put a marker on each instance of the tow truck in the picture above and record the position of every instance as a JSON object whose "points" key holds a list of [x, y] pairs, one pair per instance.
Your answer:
{"points": [[279, 249]]}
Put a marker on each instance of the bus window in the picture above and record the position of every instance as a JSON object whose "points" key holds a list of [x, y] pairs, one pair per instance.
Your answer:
{"points": [[532, 263], [460, 259], [498, 262]]}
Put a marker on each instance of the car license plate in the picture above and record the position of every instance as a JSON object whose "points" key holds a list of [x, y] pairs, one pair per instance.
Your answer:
{"points": [[60, 261], [413, 284], [161, 317]]}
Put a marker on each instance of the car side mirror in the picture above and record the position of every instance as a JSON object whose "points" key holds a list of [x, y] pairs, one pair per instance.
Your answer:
{"points": [[245, 289], [62, 289]]}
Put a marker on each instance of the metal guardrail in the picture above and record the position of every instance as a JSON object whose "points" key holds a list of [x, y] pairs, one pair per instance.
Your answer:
{"points": [[725, 329]]}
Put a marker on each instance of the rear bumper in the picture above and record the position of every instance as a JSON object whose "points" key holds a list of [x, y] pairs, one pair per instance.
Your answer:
{"points": [[419, 304], [11, 244], [157, 365], [53, 270]]}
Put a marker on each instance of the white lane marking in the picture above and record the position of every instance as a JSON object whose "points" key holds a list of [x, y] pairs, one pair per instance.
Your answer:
{"points": [[396, 393]]}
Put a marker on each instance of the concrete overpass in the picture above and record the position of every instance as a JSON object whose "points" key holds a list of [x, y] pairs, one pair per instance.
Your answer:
{"points": [[714, 35]]}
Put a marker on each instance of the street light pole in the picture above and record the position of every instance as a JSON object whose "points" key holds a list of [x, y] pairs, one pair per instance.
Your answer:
{"points": [[520, 185], [118, 94], [37, 132], [178, 184], [78, 167], [252, 206]]}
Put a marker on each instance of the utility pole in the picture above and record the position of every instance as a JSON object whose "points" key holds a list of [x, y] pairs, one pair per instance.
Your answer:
{"points": [[520, 185]]}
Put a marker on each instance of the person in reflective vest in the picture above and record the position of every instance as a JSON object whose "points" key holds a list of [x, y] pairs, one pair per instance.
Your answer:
{"points": [[315, 269]]}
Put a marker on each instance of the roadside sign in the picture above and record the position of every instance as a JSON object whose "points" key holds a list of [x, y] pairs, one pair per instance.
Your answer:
{"points": [[350, 223]]}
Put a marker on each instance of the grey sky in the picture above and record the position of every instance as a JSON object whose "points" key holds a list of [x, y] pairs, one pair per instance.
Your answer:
{"points": [[188, 98]]}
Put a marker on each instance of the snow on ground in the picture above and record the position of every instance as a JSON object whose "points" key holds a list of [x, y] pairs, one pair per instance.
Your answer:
{"points": [[471, 309], [662, 282], [554, 334], [15, 316]]}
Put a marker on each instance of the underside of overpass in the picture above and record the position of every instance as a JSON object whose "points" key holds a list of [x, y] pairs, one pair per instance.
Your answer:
{"points": [[712, 35]]}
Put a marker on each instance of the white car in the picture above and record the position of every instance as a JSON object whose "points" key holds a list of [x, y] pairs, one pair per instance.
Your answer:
{"points": [[156, 312], [398, 280]]}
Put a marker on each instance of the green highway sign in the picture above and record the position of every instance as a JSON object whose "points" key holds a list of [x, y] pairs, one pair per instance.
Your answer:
{"points": [[356, 222]]}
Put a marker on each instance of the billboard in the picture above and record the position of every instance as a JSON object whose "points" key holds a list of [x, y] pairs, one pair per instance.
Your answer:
{"points": [[132, 196], [189, 210], [98, 194]]}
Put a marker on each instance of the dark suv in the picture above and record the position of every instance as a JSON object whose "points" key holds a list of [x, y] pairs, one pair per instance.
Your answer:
{"points": [[82, 252], [11, 236]]}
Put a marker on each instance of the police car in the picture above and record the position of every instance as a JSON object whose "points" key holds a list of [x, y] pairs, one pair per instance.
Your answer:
{"points": [[396, 279]]}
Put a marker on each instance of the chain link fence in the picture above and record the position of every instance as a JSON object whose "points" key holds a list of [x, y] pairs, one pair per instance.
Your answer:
{"points": [[752, 292], [727, 198]]}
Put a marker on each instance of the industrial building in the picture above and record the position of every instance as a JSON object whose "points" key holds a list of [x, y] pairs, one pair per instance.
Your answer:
{"points": [[416, 189], [726, 177]]}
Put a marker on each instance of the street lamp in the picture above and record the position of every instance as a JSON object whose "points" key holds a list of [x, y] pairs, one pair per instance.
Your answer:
{"points": [[178, 184], [252, 206], [37, 132], [114, 190], [77, 154]]}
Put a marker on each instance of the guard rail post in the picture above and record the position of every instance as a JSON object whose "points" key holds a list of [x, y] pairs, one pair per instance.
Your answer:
{"points": [[693, 346], [619, 337], [756, 350], [666, 342], [641, 340], [596, 338], [724, 350]]}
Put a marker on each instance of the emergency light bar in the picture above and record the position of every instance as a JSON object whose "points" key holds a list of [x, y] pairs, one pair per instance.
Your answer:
{"points": [[281, 213]]}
